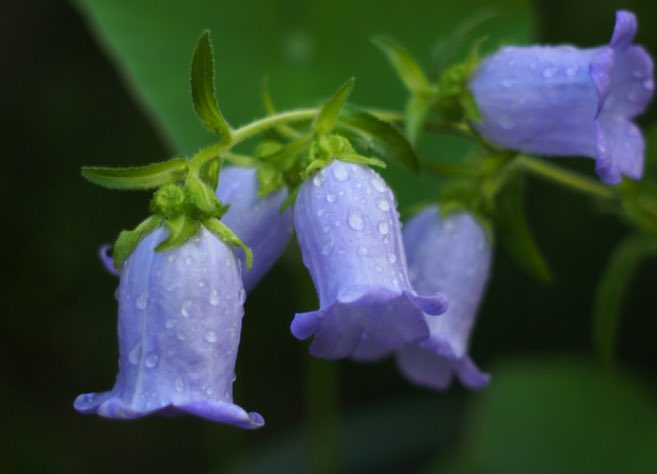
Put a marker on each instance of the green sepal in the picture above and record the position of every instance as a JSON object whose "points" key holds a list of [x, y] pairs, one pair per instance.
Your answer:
{"points": [[512, 228], [285, 157], [226, 235], [328, 115], [202, 198], [291, 197], [209, 173], [181, 229], [374, 137], [612, 288], [203, 94], [403, 63], [137, 177], [270, 179], [169, 201], [128, 240]]}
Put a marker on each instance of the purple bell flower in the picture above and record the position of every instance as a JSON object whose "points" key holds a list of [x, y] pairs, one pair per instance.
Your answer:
{"points": [[565, 101], [348, 230], [453, 256], [257, 221], [180, 315]]}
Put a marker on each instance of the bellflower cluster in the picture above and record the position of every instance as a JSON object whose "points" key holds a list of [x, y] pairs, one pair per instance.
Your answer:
{"points": [[565, 101], [256, 220], [178, 336], [451, 255], [349, 233]]}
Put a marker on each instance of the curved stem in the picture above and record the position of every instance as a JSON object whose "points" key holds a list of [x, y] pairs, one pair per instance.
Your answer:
{"points": [[253, 128], [565, 177]]}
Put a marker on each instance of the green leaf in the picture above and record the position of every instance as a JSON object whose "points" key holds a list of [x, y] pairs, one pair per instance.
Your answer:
{"points": [[403, 63], [376, 138], [202, 197], [181, 229], [128, 240], [138, 177], [270, 178], [226, 235], [417, 109], [202, 82], [328, 115], [512, 228], [613, 286]]}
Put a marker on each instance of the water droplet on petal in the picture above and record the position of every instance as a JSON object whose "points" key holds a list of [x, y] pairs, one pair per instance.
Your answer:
{"points": [[211, 336], [317, 182], [362, 250], [383, 227], [550, 72], [186, 308], [330, 197], [648, 85], [355, 220], [151, 361], [632, 96], [506, 123], [383, 205], [378, 185], [327, 249], [189, 260], [392, 258], [340, 172], [171, 258], [214, 297], [201, 284], [135, 354], [169, 323], [142, 300], [179, 384], [241, 297], [571, 70]]}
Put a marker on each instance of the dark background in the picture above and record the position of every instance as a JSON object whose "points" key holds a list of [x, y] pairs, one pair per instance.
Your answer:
{"points": [[64, 106]]}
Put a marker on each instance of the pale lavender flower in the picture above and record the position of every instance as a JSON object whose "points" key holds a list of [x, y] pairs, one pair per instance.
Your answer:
{"points": [[450, 255], [256, 220], [180, 315], [348, 230], [565, 101]]}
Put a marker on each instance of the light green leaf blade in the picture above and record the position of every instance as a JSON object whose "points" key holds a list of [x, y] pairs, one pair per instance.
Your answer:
{"points": [[202, 83], [403, 63], [613, 286], [226, 235], [138, 177], [128, 240], [328, 115]]}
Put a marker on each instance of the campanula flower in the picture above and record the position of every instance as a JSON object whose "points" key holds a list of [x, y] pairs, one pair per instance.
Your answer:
{"points": [[564, 101], [256, 220], [349, 233], [450, 255], [180, 315]]}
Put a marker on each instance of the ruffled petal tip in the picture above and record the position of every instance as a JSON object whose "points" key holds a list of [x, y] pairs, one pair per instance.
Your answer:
{"points": [[428, 369], [625, 28], [107, 260], [111, 406], [390, 319]]}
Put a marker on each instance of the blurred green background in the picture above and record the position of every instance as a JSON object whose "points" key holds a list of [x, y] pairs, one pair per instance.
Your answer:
{"points": [[106, 83]]}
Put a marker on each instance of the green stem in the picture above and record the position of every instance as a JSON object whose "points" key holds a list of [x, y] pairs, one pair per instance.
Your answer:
{"points": [[253, 128], [565, 177]]}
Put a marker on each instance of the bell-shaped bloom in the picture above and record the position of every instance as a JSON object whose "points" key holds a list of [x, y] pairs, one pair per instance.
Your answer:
{"points": [[453, 256], [565, 101], [180, 315], [256, 220], [348, 230]]}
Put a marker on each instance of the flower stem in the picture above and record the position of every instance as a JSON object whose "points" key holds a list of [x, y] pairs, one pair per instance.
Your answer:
{"points": [[253, 128], [565, 177]]}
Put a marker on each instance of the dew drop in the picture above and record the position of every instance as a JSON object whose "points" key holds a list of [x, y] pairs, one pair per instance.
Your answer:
{"points": [[327, 249], [362, 250], [321, 212], [506, 83], [648, 85], [241, 297], [342, 251], [201, 284], [550, 72], [210, 336], [142, 301], [171, 258], [169, 323], [571, 71], [378, 185], [355, 220], [186, 308], [135, 354], [209, 391], [179, 384], [383, 227], [317, 182], [506, 123], [151, 361], [383, 205], [189, 260], [181, 336], [340, 172], [392, 258], [330, 197], [214, 297]]}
